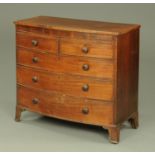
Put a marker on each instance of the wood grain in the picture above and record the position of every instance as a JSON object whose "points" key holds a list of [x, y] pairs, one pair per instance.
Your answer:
{"points": [[67, 84], [64, 107], [97, 49], [44, 43], [127, 75], [57, 57], [114, 134], [65, 64], [86, 26], [64, 34]]}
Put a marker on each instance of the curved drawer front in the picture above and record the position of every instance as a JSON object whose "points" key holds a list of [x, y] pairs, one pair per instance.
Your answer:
{"points": [[87, 48], [37, 42], [67, 84], [64, 107], [66, 64]]}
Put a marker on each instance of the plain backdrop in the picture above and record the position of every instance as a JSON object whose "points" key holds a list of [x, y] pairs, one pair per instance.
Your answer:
{"points": [[37, 133]]}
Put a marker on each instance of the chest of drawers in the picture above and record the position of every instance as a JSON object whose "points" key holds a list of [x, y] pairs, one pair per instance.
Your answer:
{"points": [[76, 70]]}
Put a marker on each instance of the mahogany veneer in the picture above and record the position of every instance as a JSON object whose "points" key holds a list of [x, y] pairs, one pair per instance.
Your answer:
{"points": [[78, 70]]}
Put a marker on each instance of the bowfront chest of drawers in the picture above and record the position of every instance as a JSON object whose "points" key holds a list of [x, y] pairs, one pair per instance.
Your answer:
{"points": [[76, 70]]}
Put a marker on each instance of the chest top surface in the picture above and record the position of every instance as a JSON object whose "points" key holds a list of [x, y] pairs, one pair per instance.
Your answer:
{"points": [[68, 24]]}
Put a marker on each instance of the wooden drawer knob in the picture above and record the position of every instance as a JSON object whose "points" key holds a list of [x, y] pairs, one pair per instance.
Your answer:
{"points": [[85, 87], [85, 111], [35, 100], [34, 42], [85, 67], [35, 79], [85, 49], [35, 59]]}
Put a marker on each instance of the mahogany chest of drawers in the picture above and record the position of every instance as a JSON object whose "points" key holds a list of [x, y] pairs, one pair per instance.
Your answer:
{"points": [[78, 70]]}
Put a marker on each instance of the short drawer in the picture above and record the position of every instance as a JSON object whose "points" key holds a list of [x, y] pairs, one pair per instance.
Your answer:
{"points": [[66, 64], [37, 42], [88, 48], [67, 84], [65, 107]]}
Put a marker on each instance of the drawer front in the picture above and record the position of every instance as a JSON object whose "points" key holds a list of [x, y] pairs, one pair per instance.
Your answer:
{"points": [[37, 42], [67, 84], [97, 49], [66, 64], [64, 107]]}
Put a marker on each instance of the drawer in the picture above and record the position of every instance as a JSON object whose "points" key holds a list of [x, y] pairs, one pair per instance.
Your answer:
{"points": [[67, 84], [66, 64], [65, 107], [88, 48], [38, 42]]}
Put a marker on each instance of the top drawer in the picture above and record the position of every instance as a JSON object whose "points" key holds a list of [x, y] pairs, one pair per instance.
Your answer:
{"points": [[39, 42], [98, 49]]}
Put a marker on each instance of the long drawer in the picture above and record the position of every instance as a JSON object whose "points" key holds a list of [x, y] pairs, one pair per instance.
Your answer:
{"points": [[67, 84], [66, 64], [62, 106]]}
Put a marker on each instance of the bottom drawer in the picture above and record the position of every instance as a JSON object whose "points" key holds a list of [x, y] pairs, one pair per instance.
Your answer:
{"points": [[65, 107]]}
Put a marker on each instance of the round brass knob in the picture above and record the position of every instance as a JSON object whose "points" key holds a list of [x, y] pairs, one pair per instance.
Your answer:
{"points": [[85, 111], [85, 67], [85, 49], [35, 79], [35, 100], [85, 87], [34, 42], [35, 59]]}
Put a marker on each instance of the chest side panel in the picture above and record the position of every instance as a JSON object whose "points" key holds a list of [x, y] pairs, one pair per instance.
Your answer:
{"points": [[127, 75]]}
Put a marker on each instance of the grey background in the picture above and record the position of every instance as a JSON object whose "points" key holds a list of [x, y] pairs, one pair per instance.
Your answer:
{"points": [[37, 133]]}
